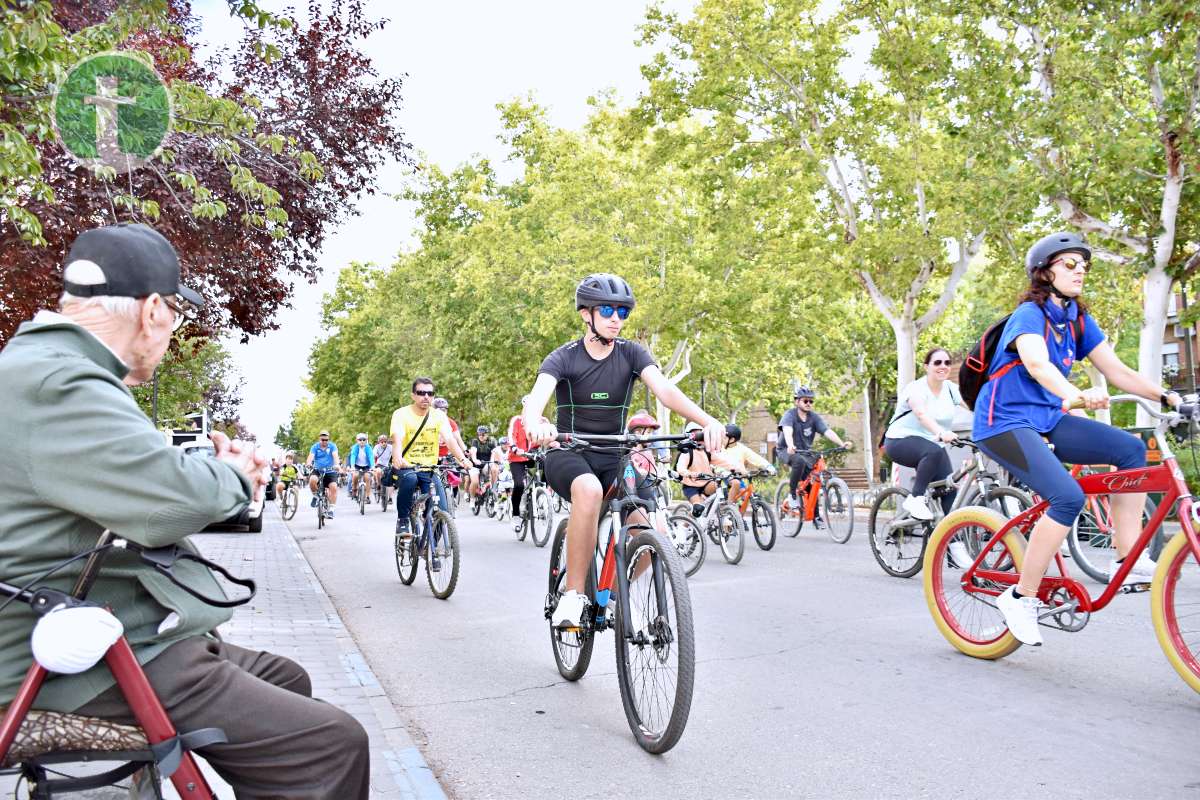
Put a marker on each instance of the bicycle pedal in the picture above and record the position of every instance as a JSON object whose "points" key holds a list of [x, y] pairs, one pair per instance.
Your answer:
{"points": [[1135, 588]]}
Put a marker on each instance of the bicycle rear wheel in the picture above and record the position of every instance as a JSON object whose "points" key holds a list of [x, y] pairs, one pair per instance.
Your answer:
{"points": [[542, 519], [443, 544], [572, 650], [407, 559], [1090, 539], [656, 660], [969, 619], [839, 510], [1174, 603], [729, 532], [689, 541], [899, 549], [762, 521]]}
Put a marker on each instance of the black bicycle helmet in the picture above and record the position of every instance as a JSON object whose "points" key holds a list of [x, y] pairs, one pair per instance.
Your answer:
{"points": [[733, 432], [1045, 250], [603, 288], [804, 391]]}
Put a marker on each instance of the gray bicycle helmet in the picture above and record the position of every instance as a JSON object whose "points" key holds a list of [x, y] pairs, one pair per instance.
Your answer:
{"points": [[603, 288], [441, 402], [1045, 250], [804, 391]]}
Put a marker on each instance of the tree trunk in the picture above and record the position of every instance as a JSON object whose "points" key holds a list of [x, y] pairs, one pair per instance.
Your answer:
{"points": [[1156, 294], [906, 355]]}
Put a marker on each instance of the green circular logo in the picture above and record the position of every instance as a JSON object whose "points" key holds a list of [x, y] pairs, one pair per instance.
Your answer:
{"points": [[112, 109]]}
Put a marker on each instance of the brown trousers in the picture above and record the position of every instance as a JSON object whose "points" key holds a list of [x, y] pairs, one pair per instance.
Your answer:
{"points": [[282, 742]]}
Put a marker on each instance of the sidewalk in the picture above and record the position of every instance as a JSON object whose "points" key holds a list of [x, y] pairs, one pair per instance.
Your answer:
{"points": [[292, 616]]}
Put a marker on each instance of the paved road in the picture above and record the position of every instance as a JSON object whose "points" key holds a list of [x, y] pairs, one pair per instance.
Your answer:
{"points": [[817, 676]]}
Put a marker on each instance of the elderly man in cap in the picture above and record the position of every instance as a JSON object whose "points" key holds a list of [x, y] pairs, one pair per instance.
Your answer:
{"points": [[81, 457]]}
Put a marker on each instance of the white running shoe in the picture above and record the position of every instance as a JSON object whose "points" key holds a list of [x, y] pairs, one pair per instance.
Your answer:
{"points": [[959, 556], [568, 614], [916, 507], [1021, 616], [517, 524], [1142, 572]]}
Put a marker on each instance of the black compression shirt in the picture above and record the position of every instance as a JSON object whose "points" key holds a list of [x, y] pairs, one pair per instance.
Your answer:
{"points": [[483, 450], [593, 396]]}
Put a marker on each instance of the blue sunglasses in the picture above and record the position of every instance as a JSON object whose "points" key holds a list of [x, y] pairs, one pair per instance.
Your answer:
{"points": [[606, 311]]}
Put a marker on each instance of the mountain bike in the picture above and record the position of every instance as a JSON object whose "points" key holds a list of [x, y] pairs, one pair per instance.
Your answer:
{"points": [[636, 567], [383, 492], [963, 601], [503, 496], [433, 537], [289, 501], [361, 493], [37, 743], [762, 516], [719, 519], [824, 487], [898, 539], [322, 496], [537, 513]]}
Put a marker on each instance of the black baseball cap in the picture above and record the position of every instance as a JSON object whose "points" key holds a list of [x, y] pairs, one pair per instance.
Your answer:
{"points": [[136, 260]]}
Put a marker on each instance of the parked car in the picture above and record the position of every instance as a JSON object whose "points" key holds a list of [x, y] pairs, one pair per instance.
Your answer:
{"points": [[251, 517]]}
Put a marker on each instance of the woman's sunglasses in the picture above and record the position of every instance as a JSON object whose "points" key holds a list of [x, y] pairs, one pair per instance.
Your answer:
{"points": [[1071, 264], [607, 311], [938, 362]]}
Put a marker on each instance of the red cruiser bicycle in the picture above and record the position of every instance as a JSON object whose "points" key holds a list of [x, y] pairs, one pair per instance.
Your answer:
{"points": [[31, 741], [963, 602]]}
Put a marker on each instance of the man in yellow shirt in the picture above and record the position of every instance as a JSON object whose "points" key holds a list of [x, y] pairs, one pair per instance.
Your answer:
{"points": [[416, 431]]}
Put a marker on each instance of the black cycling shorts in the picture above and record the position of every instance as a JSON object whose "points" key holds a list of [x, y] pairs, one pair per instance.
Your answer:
{"points": [[362, 469], [328, 478], [564, 466]]}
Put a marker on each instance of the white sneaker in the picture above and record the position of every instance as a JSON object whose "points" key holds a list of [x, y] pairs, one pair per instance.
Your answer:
{"points": [[1021, 616], [568, 614], [517, 523], [1142, 572], [959, 556], [916, 507]]}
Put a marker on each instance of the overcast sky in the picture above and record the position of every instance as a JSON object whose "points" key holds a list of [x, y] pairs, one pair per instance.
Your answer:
{"points": [[461, 59]]}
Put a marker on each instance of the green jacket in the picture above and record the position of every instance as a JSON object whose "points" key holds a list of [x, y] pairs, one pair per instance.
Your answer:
{"points": [[77, 455]]}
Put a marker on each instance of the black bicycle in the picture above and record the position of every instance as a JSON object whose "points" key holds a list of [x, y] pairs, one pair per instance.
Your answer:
{"points": [[537, 509], [640, 573], [433, 536]]}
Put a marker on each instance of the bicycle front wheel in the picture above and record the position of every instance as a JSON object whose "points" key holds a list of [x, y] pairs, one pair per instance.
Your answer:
{"points": [[689, 542], [292, 500], [966, 614], [729, 530], [542, 520], [839, 510], [898, 546], [443, 546], [362, 498], [789, 514], [1174, 603], [762, 520], [572, 649], [656, 658]]}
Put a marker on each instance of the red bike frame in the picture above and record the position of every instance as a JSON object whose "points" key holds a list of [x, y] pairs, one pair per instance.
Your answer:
{"points": [[1165, 477], [189, 782]]}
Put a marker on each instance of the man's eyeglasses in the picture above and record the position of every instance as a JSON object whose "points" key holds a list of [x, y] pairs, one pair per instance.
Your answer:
{"points": [[360, 440], [324, 438], [182, 315], [1072, 264], [808, 401], [938, 362], [423, 392], [607, 311]]}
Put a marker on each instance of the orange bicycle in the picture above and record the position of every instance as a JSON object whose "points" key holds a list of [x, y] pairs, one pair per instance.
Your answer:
{"points": [[744, 498], [821, 486]]}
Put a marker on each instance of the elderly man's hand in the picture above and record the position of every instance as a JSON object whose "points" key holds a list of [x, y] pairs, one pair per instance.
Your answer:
{"points": [[244, 457]]}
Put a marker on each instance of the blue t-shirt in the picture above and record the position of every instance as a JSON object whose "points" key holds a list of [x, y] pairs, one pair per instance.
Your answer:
{"points": [[1015, 399], [323, 458]]}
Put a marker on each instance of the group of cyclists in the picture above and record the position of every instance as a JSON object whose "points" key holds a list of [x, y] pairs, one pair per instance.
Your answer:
{"points": [[1019, 409]]}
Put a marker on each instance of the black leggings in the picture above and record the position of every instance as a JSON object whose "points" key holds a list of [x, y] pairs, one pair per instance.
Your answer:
{"points": [[518, 469], [930, 461]]}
